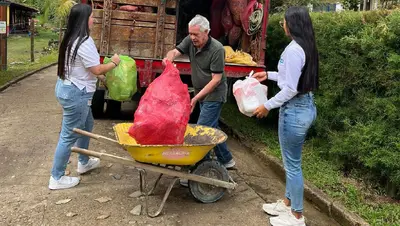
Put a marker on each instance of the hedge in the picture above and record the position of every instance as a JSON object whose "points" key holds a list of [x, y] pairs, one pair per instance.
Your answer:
{"points": [[359, 97]]}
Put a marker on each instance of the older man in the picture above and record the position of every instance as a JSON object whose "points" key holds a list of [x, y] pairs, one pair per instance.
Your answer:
{"points": [[207, 57]]}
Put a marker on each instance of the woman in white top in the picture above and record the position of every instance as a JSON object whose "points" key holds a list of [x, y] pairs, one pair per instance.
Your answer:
{"points": [[79, 69], [297, 77]]}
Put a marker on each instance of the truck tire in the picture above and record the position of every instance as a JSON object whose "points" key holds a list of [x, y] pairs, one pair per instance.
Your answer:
{"points": [[113, 109], [98, 104]]}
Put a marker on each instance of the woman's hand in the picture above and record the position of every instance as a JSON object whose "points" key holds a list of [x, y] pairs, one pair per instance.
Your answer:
{"points": [[115, 59], [102, 78], [101, 69], [260, 76], [261, 112]]}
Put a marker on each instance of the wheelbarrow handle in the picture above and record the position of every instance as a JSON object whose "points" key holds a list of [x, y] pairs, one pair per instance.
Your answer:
{"points": [[155, 169], [94, 136], [86, 152]]}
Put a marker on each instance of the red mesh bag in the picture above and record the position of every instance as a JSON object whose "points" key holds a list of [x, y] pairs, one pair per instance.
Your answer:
{"points": [[244, 17], [237, 7], [129, 8], [164, 110], [217, 30], [227, 21], [234, 35]]}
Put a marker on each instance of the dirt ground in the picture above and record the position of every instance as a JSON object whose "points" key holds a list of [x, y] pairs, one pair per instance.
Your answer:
{"points": [[30, 121]]}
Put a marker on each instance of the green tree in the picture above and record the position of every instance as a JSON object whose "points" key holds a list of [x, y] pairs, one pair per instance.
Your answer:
{"points": [[351, 4]]}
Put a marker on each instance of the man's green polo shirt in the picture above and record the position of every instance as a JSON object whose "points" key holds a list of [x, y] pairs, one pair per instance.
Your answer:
{"points": [[204, 62]]}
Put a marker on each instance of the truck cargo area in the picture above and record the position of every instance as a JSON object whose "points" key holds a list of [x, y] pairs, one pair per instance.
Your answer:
{"points": [[150, 28]]}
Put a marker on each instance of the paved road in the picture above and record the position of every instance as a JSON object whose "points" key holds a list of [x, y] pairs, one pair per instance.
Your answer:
{"points": [[30, 120]]}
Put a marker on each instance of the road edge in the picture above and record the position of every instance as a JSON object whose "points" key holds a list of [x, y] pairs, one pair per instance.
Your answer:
{"points": [[27, 74], [311, 193]]}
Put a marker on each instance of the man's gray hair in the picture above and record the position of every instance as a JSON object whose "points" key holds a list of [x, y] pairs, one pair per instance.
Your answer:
{"points": [[200, 21]]}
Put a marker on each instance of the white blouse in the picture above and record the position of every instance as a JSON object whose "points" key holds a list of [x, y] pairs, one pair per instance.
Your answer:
{"points": [[290, 68], [86, 57]]}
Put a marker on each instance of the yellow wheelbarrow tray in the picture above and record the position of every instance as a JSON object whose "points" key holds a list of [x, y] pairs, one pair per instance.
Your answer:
{"points": [[208, 180]]}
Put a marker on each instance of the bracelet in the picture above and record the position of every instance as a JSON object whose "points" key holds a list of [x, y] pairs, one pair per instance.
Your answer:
{"points": [[116, 65]]}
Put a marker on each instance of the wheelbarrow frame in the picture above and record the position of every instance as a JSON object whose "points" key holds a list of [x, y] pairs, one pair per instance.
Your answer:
{"points": [[143, 167]]}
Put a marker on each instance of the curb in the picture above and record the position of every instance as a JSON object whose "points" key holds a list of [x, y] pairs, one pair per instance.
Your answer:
{"points": [[313, 194], [15, 80]]}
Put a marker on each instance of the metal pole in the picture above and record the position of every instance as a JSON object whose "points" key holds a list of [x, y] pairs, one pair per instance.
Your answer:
{"points": [[32, 40], [3, 37], [3, 52]]}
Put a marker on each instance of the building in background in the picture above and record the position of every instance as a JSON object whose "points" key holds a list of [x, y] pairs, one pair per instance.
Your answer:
{"points": [[18, 17]]}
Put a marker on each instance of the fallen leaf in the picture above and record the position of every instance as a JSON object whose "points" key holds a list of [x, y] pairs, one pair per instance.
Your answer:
{"points": [[71, 214], [64, 201], [137, 210], [135, 194], [102, 217], [117, 176], [103, 199]]}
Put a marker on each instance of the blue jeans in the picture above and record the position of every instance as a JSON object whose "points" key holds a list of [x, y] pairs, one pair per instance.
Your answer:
{"points": [[295, 118], [209, 116], [77, 113]]}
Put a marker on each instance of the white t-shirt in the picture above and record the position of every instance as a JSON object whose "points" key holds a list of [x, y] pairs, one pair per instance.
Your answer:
{"points": [[86, 57], [290, 67]]}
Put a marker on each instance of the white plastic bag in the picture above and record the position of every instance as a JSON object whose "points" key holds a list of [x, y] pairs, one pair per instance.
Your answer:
{"points": [[249, 95]]}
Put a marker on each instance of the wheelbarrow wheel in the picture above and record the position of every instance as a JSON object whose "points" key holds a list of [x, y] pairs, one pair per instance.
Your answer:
{"points": [[207, 193]]}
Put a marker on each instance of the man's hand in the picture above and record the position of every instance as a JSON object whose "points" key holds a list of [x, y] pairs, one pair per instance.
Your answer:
{"points": [[164, 61], [261, 112], [193, 103], [260, 76], [171, 55]]}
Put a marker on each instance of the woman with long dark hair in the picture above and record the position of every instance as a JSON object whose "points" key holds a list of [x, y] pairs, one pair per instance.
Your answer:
{"points": [[79, 69], [297, 78]]}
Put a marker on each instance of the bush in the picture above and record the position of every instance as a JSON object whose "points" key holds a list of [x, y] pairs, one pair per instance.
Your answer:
{"points": [[359, 98]]}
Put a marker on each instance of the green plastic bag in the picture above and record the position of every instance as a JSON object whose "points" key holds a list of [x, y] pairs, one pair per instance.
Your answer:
{"points": [[122, 80]]}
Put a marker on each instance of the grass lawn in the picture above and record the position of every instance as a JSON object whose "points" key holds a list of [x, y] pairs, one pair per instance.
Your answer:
{"points": [[19, 58], [353, 193]]}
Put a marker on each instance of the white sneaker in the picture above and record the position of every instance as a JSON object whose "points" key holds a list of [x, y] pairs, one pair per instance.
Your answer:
{"points": [[184, 182], [230, 164], [277, 208], [287, 220], [63, 183], [93, 163]]}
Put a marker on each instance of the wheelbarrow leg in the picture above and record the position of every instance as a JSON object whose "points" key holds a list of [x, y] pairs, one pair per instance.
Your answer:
{"points": [[143, 190], [151, 192], [143, 181], [171, 185]]}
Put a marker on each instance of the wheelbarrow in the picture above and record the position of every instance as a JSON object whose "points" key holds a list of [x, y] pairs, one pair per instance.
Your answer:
{"points": [[208, 180]]}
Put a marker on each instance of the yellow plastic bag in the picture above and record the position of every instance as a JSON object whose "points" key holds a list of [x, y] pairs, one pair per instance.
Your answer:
{"points": [[238, 57]]}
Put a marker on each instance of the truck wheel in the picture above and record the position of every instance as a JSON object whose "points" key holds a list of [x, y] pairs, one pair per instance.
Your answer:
{"points": [[98, 104], [113, 109]]}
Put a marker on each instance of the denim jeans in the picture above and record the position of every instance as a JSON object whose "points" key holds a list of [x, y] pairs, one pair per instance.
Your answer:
{"points": [[77, 113], [209, 116], [295, 118]]}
